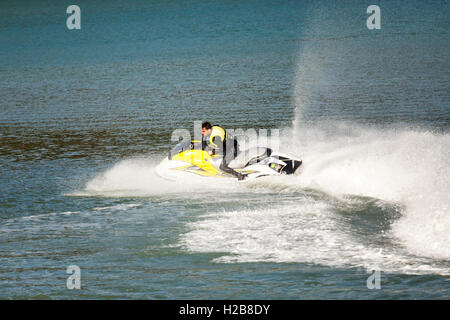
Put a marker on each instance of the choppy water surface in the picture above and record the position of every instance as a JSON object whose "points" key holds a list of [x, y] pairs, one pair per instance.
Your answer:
{"points": [[86, 115]]}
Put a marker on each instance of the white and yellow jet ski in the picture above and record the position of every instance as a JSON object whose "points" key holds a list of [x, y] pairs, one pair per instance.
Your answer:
{"points": [[189, 158]]}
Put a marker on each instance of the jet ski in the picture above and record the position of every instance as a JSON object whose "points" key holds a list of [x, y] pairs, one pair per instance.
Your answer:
{"points": [[190, 158]]}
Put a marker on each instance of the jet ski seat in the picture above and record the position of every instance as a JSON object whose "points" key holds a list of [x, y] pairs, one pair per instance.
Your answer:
{"points": [[250, 156]]}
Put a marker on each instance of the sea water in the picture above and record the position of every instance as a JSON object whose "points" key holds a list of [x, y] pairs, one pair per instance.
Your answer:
{"points": [[86, 115]]}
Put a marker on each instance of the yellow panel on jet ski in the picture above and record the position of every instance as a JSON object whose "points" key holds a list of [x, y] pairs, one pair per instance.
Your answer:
{"points": [[198, 158]]}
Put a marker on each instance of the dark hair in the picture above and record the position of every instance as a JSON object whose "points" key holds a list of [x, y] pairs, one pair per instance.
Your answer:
{"points": [[206, 125]]}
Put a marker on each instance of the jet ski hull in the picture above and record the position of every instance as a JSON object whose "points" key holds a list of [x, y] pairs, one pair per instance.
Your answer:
{"points": [[189, 159]]}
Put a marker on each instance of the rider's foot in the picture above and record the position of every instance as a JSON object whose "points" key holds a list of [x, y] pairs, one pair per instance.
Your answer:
{"points": [[242, 176]]}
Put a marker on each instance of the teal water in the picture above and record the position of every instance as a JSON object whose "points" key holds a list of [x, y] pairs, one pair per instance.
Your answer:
{"points": [[86, 115]]}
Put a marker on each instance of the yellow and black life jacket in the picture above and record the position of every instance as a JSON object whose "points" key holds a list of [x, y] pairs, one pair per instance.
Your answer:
{"points": [[217, 132]]}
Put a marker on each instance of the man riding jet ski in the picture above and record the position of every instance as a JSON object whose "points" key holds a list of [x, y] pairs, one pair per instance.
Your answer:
{"points": [[219, 142], [205, 159]]}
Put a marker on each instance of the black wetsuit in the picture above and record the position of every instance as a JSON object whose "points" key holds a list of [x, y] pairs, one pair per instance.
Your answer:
{"points": [[220, 142]]}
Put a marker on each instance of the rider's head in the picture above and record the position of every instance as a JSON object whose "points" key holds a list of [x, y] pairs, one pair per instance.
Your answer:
{"points": [[206, 129]]}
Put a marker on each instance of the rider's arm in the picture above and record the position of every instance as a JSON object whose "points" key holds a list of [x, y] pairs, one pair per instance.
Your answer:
{"points": [[220, 145]]}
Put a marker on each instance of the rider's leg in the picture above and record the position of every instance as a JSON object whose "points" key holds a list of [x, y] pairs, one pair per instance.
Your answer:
{"points": [[229, 154]]}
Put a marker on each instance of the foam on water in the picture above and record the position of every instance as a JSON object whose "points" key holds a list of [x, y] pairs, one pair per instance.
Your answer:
{"points": [[137, 177], [401, 165], [407, 167], [305, 232]]}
